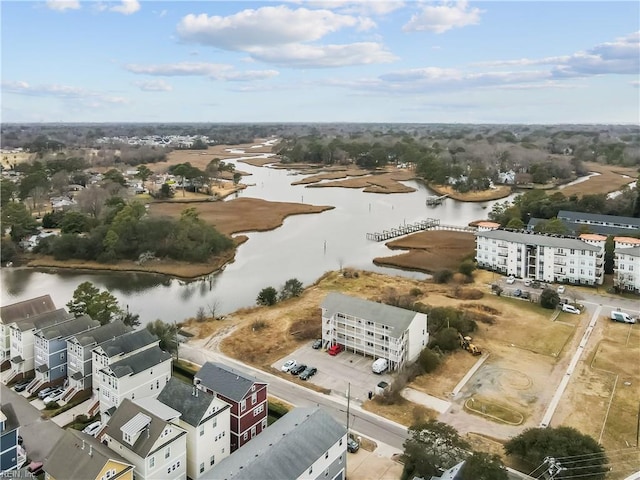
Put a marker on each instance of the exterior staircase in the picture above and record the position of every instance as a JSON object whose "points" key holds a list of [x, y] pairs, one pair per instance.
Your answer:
{"points": [[69, 394], [34, 386], [94, 406]]}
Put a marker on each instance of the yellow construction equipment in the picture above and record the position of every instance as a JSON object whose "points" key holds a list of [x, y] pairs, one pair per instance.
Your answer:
{"points": [[465, 343]]}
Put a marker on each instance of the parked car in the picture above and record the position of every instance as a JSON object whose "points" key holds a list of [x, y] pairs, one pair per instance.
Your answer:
{"points": [[525, 295], [22, 385], [35, 468], [92, 428], [511, 279], [44, 393], [54, 396], [298, 369], [335, 349], [352, 445], [517, 292], [288, 365], [570, 309], [527, 282], [560, 289], [308, 373], [317, 344]]}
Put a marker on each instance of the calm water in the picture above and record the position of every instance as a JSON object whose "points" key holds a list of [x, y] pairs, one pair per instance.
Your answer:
{"points": [[305, 247]]}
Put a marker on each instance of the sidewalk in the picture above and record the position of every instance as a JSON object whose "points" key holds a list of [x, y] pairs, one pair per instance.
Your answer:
{"points": [[428, 401], [68, 416]]}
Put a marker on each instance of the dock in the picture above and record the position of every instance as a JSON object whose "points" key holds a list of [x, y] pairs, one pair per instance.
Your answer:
{"points": [[436, 200], [403, 230]]}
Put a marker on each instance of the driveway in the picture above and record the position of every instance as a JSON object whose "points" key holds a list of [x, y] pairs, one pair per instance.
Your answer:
{"points": [[337, 373], [39, 435]]}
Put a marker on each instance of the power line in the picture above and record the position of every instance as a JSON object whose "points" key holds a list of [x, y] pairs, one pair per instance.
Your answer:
{"points": [[598, 453]]}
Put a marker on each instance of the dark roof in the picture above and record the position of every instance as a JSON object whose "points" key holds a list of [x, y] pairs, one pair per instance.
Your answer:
{"points": [[576, 228], [540, 239], [632, 251], [102, 334], [43, 320], [12, 421], [145, 442], [128, 342], [615, 220], [66, 329], [284, 450], [26, 308], [138, 362], [78, 455], [225, 380], [191, 402]]}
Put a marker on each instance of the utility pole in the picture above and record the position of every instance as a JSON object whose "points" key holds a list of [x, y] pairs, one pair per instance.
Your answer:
{"points": [[348, 402]]}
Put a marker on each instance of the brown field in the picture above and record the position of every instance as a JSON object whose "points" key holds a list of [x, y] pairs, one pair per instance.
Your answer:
{"points": [[430, 251], [610, 180], [378, 183], [333, 174], [405, 413], [500, 191]]}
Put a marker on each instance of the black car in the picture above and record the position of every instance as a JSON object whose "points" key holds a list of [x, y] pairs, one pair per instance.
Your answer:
{"points": [[317, 344], [309, 372], [297, 370], [22, 386]]}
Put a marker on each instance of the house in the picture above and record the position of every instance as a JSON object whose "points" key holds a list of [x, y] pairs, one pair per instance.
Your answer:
{"points": [[246, 395], [18, 311], [78, 455], [50, 350], [32, 241], [206, 419], [307, 443], [454, 473], [156, 447], [12, 455], [544, 257], [79, 347], [22, 334], [626, 271], [373, 329], [143, 374]]}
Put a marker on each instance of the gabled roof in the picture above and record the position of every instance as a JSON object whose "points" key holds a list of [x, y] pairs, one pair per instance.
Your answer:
{"points": [[128, 342], [78, 455], [148, 438], [66, 329], [43, 320], [225, 380], [540, 239], [397, 319], [596, 217], [102, 334], [26, 308], [191, 402], [11, 421], [284, 450], [138, 362]]}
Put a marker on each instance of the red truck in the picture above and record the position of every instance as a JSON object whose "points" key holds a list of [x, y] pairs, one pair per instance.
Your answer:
{"points": [[335, 349]]}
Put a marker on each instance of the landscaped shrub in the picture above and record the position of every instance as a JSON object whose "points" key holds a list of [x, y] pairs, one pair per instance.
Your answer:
{"points": [[429, 360]]}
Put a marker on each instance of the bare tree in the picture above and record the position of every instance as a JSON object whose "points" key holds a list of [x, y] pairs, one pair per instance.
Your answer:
{"points": [[38, 196], [213, 308], [60, 182], [91, 200]]}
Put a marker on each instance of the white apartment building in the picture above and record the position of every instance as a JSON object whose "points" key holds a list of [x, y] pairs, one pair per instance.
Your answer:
{"points": [[544, 257], [627, 263], [373, 329]]}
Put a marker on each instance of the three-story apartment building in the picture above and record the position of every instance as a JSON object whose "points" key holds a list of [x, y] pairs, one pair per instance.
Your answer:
{"points": [[12, 455], [627, 264], [373, 329], [246, 395]]}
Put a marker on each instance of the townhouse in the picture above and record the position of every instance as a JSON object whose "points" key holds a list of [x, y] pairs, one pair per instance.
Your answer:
{"points": [[22, 334], [50, 348], [18, 311], [78, 455], [544, 257], [576, 223], [247, 396], [307, 443], [12, 455], [373, 329], [156, 447], [626, 270], [79, 356], [206, 419]]}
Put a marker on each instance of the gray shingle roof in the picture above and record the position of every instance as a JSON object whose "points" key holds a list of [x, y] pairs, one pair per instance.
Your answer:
{"points": [[26, 308], [139, 362], [12, 422], [284, 450], [103, 333], [70, 457], [397, 319], [43, 320], [596, 217], [576, 228], [128, 342], [632, 251], [225, 380], [180, 396], [145, 442], [553, 241], [69, 328]]}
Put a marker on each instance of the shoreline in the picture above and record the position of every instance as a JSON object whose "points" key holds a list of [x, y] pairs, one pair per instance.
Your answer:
{"points": [[502, 191]]}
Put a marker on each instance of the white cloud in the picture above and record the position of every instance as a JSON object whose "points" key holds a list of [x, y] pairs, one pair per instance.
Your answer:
{"points": [[60, 91], [362, 7], [636, 83], [154, 86], [439, 19], [126, 7], [62, 5], [311, 56], [215, 71], [248, 75]]}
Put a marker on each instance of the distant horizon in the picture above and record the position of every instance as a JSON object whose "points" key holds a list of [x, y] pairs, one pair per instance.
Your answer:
{"points": [[321, 61]]}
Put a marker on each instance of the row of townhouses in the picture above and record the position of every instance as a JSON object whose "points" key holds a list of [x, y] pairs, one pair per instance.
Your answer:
{"points": [[557, 258]]}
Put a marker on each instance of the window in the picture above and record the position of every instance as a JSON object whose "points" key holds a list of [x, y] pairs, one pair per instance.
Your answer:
{"points": [[167, 452], [311, 470], [340, 442], [152, 462], [254, 399], [212, 460], [215, 422], [243, 405], [202, 467], [326, 455], [201, 430], [258, 410], [245, 436], [158, 383]]}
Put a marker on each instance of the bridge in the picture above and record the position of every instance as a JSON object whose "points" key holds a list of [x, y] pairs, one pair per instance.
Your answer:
{"points": [[435, 200], [403, 230]]}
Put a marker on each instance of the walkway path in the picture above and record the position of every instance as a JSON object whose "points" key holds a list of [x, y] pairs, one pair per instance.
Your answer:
{"points": [[428, 401]]}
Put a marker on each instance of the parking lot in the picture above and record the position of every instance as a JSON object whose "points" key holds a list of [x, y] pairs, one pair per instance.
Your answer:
{"points": [[336, 373]]}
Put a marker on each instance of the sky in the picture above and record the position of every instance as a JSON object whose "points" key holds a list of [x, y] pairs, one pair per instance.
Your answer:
{"points": [[390, 61]]}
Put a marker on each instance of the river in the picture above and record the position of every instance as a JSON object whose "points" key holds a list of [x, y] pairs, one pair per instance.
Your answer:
{"points": [[305, 247]]}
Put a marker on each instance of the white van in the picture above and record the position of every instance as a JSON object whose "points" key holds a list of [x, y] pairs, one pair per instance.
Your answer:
{"points": [[380, 365]]}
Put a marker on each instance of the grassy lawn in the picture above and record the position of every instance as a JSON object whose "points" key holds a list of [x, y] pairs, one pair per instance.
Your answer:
{"points": [[490, 408]]}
